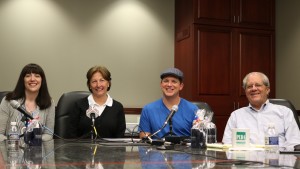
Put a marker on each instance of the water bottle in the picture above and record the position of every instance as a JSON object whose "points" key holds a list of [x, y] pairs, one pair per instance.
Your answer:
{"points": [[271, 138], [14, 158], [13, 138], [211, 132], [198, 138]]}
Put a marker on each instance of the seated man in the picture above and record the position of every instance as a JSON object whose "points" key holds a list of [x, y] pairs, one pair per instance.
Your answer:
{"points": [[260, 113], [154, 114]]}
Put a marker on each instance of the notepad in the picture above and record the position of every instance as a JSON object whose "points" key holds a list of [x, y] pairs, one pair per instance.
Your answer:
{"points": [[246, 149], [230, 148], [218, 145]]}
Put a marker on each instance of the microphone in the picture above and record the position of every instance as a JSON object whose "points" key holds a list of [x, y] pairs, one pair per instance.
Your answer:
{"points": [[93, 116], [171, 114], [92, 113], [16, 105]]}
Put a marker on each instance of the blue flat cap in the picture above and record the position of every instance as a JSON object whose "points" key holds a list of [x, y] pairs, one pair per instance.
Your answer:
{"points": [[172, 72]]}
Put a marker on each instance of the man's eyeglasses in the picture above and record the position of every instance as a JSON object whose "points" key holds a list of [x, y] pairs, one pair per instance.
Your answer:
{"points": [[248, 87]]}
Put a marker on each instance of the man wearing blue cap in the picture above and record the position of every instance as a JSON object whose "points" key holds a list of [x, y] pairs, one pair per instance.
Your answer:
{"points": [[154, 114]]}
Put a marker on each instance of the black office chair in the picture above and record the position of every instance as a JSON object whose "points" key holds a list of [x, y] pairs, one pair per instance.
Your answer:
{"points": [[63, 109], [2, 95], [288, 104]]}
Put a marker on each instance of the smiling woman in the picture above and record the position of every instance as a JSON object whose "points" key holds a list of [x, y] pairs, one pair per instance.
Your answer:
{"points": [[97, 115], [32, 93]]}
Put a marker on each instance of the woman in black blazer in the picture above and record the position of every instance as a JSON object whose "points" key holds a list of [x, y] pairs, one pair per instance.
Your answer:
{"points": [[108, 113]]}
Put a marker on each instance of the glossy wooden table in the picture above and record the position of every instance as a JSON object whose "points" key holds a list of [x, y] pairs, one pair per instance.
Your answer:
{"points": [[62, 154]]}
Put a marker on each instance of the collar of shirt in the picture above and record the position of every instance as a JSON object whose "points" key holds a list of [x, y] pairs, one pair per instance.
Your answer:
{"points": [[108, 102], [100, 108], [261, 108]]}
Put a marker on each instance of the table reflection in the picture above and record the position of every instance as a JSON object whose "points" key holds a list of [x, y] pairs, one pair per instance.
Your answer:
{"points": [[31, 157], [151, 157], [89, 155], [273, 159]]}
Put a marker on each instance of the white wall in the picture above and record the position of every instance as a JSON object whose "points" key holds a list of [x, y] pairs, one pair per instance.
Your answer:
{"points": [[134, 39], [288, 51]]}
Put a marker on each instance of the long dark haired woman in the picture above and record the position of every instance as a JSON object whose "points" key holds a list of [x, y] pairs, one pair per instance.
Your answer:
{"points": [[32, 93]]}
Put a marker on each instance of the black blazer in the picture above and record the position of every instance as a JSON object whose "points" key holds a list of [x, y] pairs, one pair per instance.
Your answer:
{"points": [[111, 123]]}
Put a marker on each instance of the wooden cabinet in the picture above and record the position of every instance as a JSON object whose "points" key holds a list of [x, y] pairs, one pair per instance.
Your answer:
{"points": [[215, 53], [244, 13]]}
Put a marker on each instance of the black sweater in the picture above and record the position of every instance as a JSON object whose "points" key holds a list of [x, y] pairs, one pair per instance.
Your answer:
{"points": [[111, 123]]}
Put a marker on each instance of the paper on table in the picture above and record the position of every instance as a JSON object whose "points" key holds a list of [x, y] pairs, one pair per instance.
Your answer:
{"points": [[245, 149], [218, 145], [229, 146]]}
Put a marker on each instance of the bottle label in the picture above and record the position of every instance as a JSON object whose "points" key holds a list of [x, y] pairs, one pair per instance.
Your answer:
{"points": [[14, 136], [273, 141]]}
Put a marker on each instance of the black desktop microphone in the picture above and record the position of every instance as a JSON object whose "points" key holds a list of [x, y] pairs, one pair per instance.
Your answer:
{"points": [[92, 113], [171, 114], [16, 105], [173, 111]]}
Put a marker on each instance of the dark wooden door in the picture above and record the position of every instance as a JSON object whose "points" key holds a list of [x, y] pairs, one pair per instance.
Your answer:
{"points": [[255, 51], [214, 12], [217, 43], [243, 13], [255, 13]]}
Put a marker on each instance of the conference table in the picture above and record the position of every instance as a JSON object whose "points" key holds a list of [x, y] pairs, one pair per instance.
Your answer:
{"points": [[126, 154]]}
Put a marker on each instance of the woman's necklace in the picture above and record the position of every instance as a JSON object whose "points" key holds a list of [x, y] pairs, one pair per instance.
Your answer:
{"points": [[30, 108]]}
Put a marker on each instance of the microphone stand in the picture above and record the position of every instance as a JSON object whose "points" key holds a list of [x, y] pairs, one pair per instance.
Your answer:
{"points": [[25, 119], [171, 127], [92, 131], [155, 142], [171, 137]]}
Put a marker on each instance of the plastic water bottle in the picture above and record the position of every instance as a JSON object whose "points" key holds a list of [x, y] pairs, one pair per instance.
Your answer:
{"points": [[13, 138], [211, 132], [271, 138], [198, 138]]}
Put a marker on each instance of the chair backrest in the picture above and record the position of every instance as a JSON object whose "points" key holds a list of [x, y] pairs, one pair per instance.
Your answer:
{"points": [[288, 104], [2, 94], [63, 110]]}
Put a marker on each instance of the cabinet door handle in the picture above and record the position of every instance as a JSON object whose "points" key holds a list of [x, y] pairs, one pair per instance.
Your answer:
{"points": [[238, 105], [238, 19]]}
